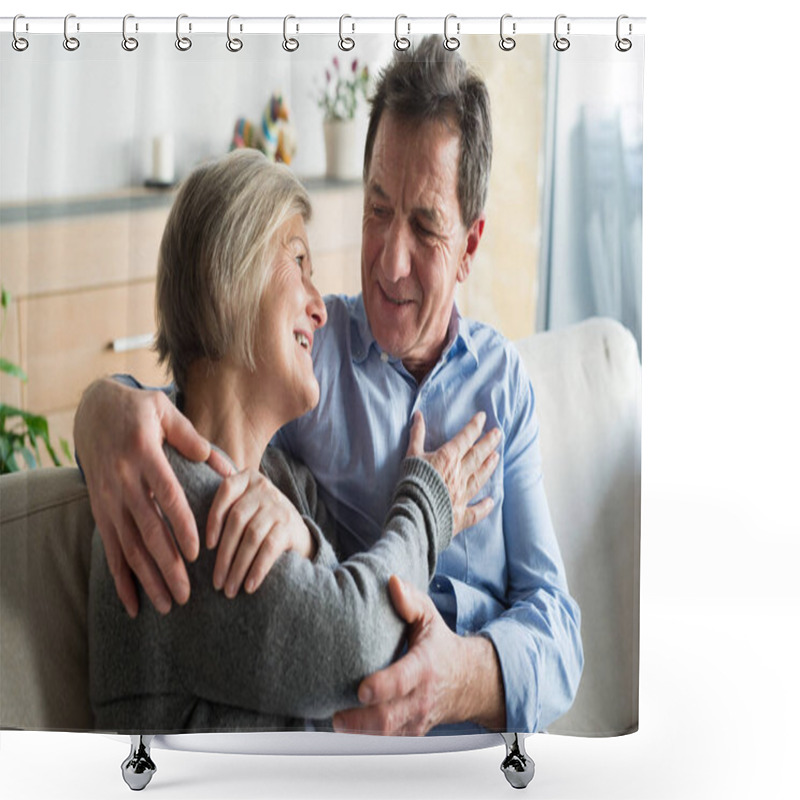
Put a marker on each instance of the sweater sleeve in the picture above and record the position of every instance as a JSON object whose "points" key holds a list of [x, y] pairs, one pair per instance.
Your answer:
{"points": [[303, 642]]}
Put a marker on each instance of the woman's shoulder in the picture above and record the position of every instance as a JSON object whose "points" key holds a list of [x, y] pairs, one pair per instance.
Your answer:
{"points": [[291, 477]]}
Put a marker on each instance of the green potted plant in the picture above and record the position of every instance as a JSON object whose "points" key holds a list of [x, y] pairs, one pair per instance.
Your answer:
{"points": [[345, 87], [22, 433]]}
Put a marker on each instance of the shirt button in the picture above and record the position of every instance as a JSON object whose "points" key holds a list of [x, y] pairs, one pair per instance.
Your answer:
{"points": [[384, 357]]}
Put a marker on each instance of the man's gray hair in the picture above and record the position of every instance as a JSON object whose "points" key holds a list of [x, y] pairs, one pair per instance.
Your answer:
{"points": [[216, 253], [427, 83]]}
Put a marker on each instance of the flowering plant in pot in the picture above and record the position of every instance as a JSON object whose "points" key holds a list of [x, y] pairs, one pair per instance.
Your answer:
{"points": [[345, 86]]}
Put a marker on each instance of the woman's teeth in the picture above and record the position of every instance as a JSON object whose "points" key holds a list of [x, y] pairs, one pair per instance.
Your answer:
{"points": [[302, 340]]}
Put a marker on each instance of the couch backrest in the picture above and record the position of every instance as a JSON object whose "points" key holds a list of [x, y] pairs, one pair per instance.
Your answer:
{"points": [[45, 539], [587, 382]]}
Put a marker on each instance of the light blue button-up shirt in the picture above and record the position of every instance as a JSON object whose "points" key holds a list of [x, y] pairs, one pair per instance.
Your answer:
{"points": [[504, 577]]}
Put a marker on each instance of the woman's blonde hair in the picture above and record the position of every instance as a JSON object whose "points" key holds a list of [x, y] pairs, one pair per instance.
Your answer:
{"points": [[217, 247]]}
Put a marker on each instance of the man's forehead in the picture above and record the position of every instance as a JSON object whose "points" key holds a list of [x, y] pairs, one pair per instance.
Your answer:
{"points": [[422, 166]]}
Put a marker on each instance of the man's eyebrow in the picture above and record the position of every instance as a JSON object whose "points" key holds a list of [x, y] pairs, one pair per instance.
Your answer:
{"points": [[431, 215]]}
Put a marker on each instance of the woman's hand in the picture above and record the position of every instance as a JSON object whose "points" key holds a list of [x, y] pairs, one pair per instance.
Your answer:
{"points": [[258, 524], [464, 464]]}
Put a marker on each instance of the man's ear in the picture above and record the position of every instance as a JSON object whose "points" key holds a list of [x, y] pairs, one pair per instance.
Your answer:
{"points": [[473, 240]]}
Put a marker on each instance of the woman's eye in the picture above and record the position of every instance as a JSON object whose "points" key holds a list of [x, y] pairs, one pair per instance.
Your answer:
{"points": [[300, 259]]}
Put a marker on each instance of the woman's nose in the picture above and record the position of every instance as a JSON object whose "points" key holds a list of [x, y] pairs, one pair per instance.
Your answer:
{"points": [[316, 307]]}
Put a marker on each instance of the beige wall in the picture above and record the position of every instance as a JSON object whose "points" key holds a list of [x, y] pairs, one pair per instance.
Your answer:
{"points": [[502, 289]]}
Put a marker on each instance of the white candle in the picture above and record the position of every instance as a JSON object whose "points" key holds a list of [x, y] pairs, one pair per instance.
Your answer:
{"points": [[164, 158]]}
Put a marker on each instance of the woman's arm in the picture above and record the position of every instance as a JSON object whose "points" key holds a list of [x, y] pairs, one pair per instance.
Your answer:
{"points": [[301, 644]]}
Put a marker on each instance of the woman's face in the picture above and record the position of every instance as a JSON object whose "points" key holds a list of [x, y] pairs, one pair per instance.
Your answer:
{"points": [[291, 311]]}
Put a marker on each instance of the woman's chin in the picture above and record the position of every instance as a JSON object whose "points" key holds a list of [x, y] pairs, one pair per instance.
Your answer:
{"points": [[307, 401]]}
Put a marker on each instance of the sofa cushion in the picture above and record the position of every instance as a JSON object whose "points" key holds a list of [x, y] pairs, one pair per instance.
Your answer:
{"points": [[45, 541]]}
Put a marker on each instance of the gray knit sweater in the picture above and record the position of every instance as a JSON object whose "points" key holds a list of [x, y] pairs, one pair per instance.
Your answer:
{"points": [[296, 649]]}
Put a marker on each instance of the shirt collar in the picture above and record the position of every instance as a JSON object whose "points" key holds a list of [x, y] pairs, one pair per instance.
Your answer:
{"points": [[458, 335]]}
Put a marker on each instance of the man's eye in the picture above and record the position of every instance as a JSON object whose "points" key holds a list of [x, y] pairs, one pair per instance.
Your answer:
{"points": [[422, 230], [380, 211]]}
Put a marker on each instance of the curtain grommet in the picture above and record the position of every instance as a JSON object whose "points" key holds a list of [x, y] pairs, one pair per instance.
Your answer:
{"points": [[183, 43], [623, 44], [561, 43], [507, 43], [71, 43], [401, 43], [346, 43], [234, 44], [289, 44], [129, 43], [19, 43], [451, 42]]}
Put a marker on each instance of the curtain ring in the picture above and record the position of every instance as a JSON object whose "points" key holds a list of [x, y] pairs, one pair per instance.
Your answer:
{"points": [[233, 44], [129, 43], [451, 42], [70, 42], [183, 43], [345, 42], [401, 42], [507, 42], [289, 44], [561, 43], [18, 42], [623, 45]]}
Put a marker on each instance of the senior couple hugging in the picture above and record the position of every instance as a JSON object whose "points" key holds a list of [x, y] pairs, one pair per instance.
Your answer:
{"points": [[358, 539]]}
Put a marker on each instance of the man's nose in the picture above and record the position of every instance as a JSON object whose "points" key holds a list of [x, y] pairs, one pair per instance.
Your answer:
{"points": [[396, 255]]}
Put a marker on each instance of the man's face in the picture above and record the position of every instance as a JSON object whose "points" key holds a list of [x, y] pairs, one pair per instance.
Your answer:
{"points": [[415, 248]]}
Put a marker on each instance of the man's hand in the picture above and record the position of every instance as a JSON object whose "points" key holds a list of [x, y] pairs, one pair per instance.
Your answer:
{"points": [[442, 678], [119, 435], [257, 523]]}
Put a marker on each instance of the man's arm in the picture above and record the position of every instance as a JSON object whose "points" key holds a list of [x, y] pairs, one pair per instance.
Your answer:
{"points": [[536, 653], [119, 433]]}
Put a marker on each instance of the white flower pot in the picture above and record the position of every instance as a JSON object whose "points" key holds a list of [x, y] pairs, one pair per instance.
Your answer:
{"points": [[343, 155]]}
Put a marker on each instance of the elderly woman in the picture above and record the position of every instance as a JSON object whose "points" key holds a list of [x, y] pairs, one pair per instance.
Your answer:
{"points": [[237, 313]]}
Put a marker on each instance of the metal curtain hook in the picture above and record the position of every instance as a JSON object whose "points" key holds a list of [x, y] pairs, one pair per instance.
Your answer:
{"points": [[561, 43], [19, 43], [507, 42], [451, 42], [129, 43], [182, 42], [70, 42], [289, 44], [233, 44], [401, 42], [623, 45], [345, 42]]}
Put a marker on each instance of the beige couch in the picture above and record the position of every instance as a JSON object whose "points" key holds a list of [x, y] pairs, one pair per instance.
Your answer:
{"points": [[587, 380]]}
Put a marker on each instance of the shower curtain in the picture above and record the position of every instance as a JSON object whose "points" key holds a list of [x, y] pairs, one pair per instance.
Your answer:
{"points": [[96, 137]]}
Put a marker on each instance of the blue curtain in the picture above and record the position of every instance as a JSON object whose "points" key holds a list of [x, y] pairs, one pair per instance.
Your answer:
{"points": [[591, 262]]}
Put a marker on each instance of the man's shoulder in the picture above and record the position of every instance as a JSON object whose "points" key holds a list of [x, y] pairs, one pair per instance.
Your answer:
{"points": [[491, 348]]}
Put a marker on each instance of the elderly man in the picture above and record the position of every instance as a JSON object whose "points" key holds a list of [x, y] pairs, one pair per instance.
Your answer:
{"points": [[497, 643]]}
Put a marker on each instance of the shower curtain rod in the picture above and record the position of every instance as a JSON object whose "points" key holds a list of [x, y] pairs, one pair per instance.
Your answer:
{"points": [[346, 25]]}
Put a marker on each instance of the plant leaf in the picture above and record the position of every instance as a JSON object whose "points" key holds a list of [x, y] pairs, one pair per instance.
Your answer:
{"points": [[65, 449], [12, 369]]}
